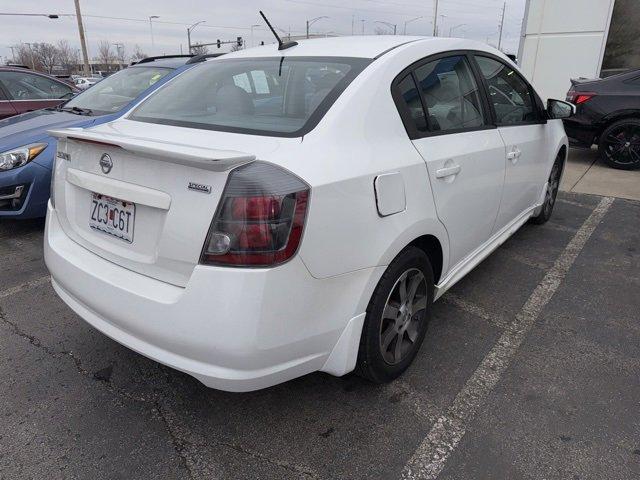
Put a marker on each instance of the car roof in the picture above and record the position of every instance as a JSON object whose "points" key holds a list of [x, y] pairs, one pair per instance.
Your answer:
{"points": [[163, 62], [361, 46]]}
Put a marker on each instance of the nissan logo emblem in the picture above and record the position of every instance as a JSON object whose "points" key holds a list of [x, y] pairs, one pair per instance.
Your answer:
{"points": [[106, 164]]}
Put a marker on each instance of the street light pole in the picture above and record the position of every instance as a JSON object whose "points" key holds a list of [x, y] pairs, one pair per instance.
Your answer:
{"points": [[442, 17], [504, 7], [312, 21], [83, 40], [252, 27], [191, 29], [153, 46], [404, 32], [435, 19], [452, 29]]}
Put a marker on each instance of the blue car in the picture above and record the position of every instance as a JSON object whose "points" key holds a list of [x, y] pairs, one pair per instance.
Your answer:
{"points": [[27, 152]]}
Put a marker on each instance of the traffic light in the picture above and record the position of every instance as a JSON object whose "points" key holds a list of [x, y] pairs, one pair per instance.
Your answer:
{"points": [[218, 43], [239, 40]]}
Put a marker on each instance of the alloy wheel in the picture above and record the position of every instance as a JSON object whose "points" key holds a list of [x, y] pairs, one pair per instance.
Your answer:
{"points": [[402, 316], [622, 144], [552, 188]]}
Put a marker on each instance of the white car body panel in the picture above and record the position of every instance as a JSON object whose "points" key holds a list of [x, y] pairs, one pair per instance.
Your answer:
{"points": [[241, 328], [526, 168], [467, 202]]}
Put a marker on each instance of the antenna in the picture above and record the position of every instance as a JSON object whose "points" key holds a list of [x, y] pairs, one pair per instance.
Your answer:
{"points": [[281, 45]]}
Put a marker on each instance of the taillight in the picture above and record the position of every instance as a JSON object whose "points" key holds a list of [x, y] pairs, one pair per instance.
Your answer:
{"points": [[260, 218], [579, 97]]}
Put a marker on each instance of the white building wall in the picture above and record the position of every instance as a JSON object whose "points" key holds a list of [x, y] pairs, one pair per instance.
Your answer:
{"points": [[563, 39]]}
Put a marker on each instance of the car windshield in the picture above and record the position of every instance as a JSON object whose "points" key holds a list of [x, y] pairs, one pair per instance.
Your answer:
{"points": [[112, 93], [280, 96]]}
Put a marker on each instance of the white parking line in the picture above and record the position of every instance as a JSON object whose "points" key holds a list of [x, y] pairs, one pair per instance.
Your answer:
{"points": [[431, 455], [24, 286], [474, 309]]}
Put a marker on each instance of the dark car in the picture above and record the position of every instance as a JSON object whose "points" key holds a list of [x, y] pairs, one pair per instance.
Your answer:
{"points": [[23, 90], [608, 115]]}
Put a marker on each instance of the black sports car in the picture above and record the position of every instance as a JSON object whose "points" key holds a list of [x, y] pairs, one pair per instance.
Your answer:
{"points": [[608, 115]]}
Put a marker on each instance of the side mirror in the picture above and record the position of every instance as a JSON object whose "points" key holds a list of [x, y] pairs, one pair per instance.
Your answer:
{"points": [[557, 109]]}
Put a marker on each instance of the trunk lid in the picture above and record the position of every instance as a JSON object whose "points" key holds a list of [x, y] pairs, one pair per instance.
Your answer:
{"points": [[170, 189]]}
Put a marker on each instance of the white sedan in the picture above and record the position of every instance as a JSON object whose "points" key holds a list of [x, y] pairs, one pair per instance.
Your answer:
{"points": [[278, 212], [85, 82]]}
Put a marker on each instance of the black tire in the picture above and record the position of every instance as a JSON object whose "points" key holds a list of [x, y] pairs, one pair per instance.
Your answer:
{"points": [[371, 363], [619, 145], [552, 193]]}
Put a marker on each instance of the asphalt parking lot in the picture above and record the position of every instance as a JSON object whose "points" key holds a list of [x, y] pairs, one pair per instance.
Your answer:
{"points": [[530, 370]]}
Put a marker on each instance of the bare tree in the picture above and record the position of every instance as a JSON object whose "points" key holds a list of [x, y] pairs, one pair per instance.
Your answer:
{"points": [[199, 49], [137, 54], [68, 56], [23, 54], [235, 47], [105, 55], [47, 54]]}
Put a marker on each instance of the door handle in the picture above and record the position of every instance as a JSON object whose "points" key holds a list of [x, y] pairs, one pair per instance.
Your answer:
{"points": [[514, 155], [448, 171]]}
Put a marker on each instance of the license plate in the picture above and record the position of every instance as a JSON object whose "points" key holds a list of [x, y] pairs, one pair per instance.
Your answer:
{"points": [[112, 216]]}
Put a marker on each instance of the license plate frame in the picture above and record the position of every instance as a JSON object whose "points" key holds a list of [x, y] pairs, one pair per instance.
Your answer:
{"points": [[112, 216]]}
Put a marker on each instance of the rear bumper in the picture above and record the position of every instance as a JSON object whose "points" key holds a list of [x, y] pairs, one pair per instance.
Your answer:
{"points": [[232, 329], [35, 182], [580, 133]]}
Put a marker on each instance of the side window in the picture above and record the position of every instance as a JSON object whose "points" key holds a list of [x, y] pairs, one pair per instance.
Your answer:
{"points": [[410, 97], [450, 94], [26, 86], [508, 92]]}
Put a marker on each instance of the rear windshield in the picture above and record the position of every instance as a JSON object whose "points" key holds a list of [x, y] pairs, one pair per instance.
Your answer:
{"points": [[279, 96], [114, 92]]}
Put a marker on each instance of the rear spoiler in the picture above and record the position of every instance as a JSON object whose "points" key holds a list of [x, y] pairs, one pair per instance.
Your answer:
{"points": [[181, 154], [578, 81]]}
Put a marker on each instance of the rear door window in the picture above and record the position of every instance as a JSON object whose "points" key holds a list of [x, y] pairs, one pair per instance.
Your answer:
{"points": [[281, 96], [410, 97], [450, 94]]}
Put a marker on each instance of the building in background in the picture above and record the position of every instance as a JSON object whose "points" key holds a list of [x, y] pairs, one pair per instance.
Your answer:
{"points": [[622, 50], [565, 39]]}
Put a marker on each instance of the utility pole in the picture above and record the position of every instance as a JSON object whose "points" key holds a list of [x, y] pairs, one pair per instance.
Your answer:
{"points": [[312, 21], [362, 26], [435, 19], [189, 30], [120, 53], [153, 45], [83, 41], [504, 7]]}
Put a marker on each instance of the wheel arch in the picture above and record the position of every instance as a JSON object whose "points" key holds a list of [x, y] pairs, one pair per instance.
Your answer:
{"points": [[612, 118], [430, 245]]}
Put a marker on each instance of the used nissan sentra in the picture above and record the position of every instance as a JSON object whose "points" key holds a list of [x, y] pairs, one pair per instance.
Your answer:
{"points": [[298, 208]]}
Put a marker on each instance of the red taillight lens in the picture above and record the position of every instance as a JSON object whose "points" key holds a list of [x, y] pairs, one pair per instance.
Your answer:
{"points": [[579, 97], [260, 219]]}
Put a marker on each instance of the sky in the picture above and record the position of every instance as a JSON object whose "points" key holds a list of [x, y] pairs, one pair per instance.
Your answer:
{"points": [[226, 20]]}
